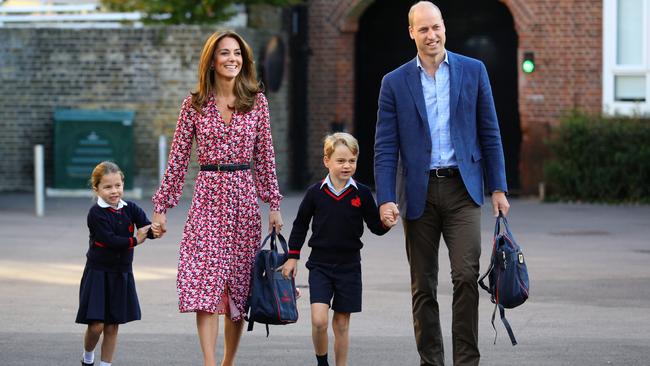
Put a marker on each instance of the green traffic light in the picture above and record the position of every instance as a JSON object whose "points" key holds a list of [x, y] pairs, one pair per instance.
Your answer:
{"points": [[528, 66]]}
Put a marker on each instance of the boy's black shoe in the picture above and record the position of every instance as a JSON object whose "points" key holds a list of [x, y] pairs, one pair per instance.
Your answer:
{"points": [[86, 364]]}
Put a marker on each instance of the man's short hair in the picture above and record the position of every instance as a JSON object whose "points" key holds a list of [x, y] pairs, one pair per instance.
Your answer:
{"points": [[411, 10]]}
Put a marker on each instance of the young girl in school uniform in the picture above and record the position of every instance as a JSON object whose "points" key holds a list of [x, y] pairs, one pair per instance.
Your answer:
{"points": [[107, 295]]}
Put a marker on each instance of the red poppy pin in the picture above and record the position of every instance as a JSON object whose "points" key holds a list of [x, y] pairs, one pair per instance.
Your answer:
{"points": [[356, 202]]}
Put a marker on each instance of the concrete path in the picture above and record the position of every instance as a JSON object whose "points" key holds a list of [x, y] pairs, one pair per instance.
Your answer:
{"points": [[589, 305]]}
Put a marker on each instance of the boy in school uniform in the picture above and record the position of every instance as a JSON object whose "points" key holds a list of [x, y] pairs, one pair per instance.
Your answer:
{"points": [[337, 207]]}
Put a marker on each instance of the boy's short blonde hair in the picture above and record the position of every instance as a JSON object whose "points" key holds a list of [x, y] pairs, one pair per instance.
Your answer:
{"points": [[340, 138]]}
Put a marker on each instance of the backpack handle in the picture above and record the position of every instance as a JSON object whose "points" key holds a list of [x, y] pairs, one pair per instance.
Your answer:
{"points": [[272, 235], [498, 227]]}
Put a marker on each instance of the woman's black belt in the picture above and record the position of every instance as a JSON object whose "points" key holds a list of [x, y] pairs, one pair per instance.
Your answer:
{"points": [[225, 167]]}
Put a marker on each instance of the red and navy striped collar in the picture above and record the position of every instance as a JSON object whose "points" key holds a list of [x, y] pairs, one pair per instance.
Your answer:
{"points": [[333, 190], [328, 188]]}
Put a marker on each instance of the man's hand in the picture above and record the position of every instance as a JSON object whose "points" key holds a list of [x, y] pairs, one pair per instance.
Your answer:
{"points": [[389, 213], [499, 203]]}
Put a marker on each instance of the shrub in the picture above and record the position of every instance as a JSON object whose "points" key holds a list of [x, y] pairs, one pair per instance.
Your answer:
{"points": [[599, 159]]}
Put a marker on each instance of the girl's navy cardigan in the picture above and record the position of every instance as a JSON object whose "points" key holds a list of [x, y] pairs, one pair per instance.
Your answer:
{"points": [[111, 240]]}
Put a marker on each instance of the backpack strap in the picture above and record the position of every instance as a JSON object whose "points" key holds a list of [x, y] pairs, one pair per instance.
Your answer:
{"points": [[487, 273], [502, 313], [250, 327], [272, 235]]}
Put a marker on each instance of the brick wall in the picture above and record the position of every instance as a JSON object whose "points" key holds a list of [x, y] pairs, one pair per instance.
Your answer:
{"points": [[149, 70], [566, 36]]}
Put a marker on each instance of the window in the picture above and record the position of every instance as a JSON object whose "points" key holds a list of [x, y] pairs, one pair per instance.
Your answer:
{"points": [[626, 57]]}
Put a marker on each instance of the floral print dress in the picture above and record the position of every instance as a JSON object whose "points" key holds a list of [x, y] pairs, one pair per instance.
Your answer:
{"points": [[223, 227]]}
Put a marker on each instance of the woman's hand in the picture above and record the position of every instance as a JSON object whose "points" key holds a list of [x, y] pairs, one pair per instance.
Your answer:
{"points": [[275, 221], [159, 224]]}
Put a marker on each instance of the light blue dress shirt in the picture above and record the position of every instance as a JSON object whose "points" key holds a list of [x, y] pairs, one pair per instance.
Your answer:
{"points": [[330, 185], [436, 99]]}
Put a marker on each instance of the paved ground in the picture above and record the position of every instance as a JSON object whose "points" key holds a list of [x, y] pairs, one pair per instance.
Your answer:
{"points": [[589, 305]]}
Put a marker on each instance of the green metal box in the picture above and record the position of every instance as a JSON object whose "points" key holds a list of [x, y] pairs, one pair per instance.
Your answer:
{"points": [[83, 138]]}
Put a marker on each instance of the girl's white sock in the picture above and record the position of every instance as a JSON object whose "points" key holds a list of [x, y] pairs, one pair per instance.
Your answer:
{"points": [[105, 363], [89, 357]]}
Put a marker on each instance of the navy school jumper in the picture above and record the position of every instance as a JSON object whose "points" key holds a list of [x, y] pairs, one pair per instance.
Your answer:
{"points": [[337, 223]]}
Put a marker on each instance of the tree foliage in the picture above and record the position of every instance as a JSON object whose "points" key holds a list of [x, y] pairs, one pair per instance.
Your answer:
{"points": [[186, 11]]}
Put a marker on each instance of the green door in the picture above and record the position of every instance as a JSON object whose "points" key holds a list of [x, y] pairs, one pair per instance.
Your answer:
{"points": [[84, 138]]}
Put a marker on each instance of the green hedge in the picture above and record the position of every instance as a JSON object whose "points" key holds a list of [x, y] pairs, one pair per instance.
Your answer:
{"points": [[599, 159]]}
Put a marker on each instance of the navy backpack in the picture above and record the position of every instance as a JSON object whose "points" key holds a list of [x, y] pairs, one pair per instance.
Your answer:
{"points": [[507, 275], [272, 299]]}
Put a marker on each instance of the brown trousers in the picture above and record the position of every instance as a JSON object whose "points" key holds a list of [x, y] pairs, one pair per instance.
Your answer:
{"points": [[451, 212]]}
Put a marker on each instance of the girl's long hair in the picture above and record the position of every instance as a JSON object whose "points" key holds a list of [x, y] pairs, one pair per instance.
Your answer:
{"points": [[246, 83]]}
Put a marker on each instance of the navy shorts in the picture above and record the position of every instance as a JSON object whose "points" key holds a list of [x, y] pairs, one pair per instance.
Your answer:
{"points": [[337, 285]]}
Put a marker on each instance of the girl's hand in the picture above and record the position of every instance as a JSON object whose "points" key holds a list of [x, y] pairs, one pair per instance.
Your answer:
{"points": [[290, 268], [275, 221], [141, 234], [159, 222]]}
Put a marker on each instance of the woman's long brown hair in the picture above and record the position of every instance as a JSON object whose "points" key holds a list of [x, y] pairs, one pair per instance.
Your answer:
{"points": [[246, 84]]}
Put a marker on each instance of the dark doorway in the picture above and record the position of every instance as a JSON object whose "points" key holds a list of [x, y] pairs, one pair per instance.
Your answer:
{"points": [[299, 56], [479, 29]]}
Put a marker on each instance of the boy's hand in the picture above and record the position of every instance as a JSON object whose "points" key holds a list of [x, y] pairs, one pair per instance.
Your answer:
{"points": [[290, 268], [141, 234]]}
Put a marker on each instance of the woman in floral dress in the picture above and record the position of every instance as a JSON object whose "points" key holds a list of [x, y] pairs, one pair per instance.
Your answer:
{"points": [[228, 117]]}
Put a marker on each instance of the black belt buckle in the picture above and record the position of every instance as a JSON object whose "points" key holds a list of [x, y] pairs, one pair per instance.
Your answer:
{"points": [[444, 172], [225, 167]]}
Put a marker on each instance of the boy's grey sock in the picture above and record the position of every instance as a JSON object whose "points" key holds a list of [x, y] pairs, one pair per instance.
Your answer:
{"points": [[322, 360]]}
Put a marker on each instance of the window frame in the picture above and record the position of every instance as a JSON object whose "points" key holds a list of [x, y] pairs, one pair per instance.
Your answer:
{"points": [[611, 69]]}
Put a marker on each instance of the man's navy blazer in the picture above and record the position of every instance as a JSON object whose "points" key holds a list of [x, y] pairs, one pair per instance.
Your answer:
{"points": [[403, 138]]}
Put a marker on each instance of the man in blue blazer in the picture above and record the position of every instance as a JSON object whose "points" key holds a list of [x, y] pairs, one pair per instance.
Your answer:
{"points": [[437, 138]]}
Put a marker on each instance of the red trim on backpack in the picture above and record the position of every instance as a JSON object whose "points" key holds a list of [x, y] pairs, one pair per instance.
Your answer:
{"points": [[100, 244]]}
